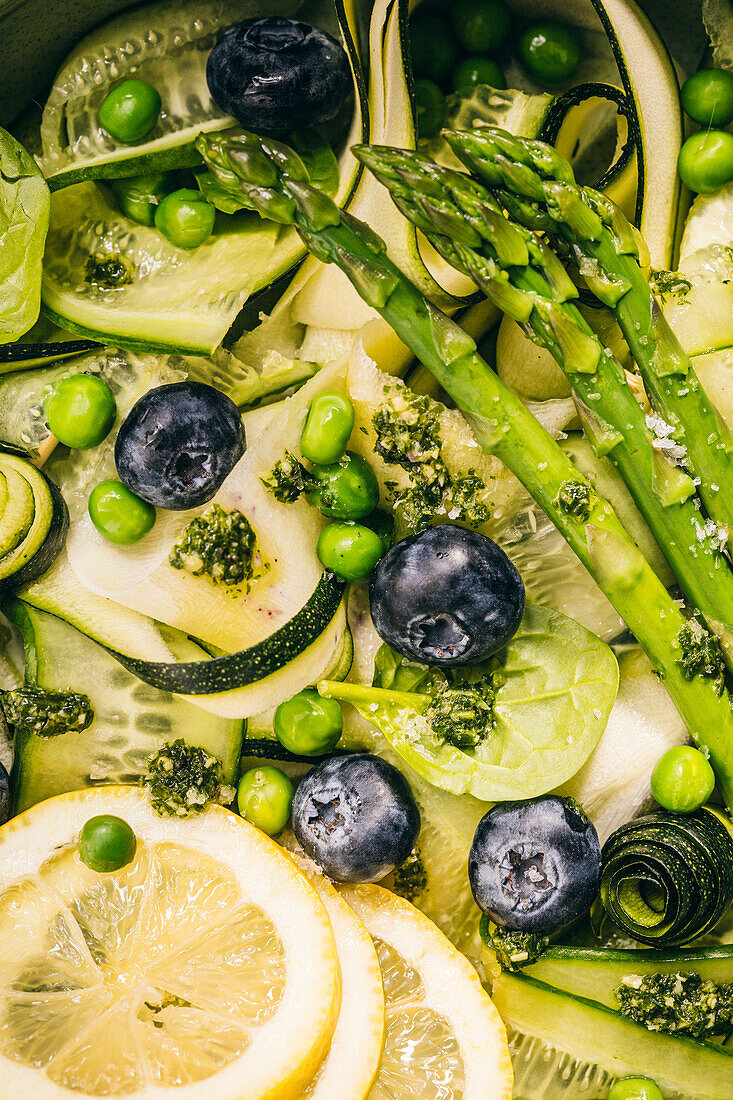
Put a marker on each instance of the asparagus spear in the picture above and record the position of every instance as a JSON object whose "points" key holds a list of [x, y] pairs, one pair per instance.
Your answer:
{"points": [[537, 187], [517, 270], [273, 178]]}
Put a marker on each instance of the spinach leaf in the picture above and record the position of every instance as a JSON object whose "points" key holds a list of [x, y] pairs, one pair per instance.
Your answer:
{"points": [[25, 204], [552, 691]]}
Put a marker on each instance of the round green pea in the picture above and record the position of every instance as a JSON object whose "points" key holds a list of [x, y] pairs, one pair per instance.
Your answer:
{"points": [[107, 843], [434, 48], [185, 218], [706, 161], [80, 410], [308, 725], [130, 111], [139, 196], [550, 52], [430, 107], [682, 779], [265, 797], [634, 1088], [346, 489], [118, 514], [707, 97], [477, 70], [349, 550], [327, 428], [482, 26]]}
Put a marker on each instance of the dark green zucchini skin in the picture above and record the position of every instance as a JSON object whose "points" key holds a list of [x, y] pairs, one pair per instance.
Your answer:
{"points": [[35, 354], [236, 670], [165, 160], [55, 536], [577, 95], [684, 859]]}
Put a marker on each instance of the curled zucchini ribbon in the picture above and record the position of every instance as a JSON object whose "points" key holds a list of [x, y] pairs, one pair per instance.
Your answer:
{"points": [[668, 878]]}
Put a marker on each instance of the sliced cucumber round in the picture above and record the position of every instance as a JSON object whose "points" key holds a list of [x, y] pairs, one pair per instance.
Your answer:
{"points": [[33, 523], [167, 44], [131, 719]]}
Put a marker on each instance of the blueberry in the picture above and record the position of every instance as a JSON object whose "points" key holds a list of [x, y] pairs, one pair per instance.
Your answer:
{"points": [[535, 866], [356, 817], [178, 443], [4, 795], [279, 74], [446, 597]]}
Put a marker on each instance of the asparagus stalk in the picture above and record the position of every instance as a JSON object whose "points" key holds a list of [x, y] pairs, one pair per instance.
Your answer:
{"points": [[517, 270], [502, 424], [537, 187]]}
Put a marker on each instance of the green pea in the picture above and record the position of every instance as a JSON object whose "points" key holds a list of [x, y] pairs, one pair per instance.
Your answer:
{"points": [[550, 52], [139, 196], [430, 108], [118, 514], [434, 48], [634, 1088], [477, 70], [265, 797], [349, 550], [707, 97], [130, 111], [107, 843], [346, 489], [80, 410], [327, 428], [308, 725], [482, 26], [185, 218], [682, 779], [706, 161]]}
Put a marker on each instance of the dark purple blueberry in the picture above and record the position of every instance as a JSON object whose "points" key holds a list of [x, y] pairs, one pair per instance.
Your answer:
{"points": [[356, 817], [535, 866], [446, 597], [279, 74], [178, 443]]}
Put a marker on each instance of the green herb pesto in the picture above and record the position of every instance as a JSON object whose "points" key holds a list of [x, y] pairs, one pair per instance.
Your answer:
{"points": [[411, 879], [678, 1003], [47, 713], [462, 716], [575, 498], [701, 654], [288, 479], [515, 950], [217, 544], [408, 435], [670, 284], [183, 779], [108, 272]]}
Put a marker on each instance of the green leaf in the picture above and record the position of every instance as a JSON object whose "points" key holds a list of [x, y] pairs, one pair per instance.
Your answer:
{"points": [[555, 687], [25, 204]]}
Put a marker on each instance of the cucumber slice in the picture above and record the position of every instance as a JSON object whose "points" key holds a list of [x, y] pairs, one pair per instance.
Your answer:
{"points": [[34, 522], [563, 1045], [167, 44], [140, 577], [165, 298], [596, 973], [131, 719]]}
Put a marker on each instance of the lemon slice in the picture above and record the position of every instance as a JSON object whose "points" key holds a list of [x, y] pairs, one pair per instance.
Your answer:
{"points": [[351, 1065], [445, 1040], [206, 967]]}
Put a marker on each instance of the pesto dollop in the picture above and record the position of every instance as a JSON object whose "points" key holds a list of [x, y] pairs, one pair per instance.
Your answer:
{"points": [[289, 479], [682, 1004], [411, 879], [408, 432], [463, 715], [701, 654], [575, 498], [183, 779], [108, 272], [514, 950], [218, 544], [47, 713]]}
